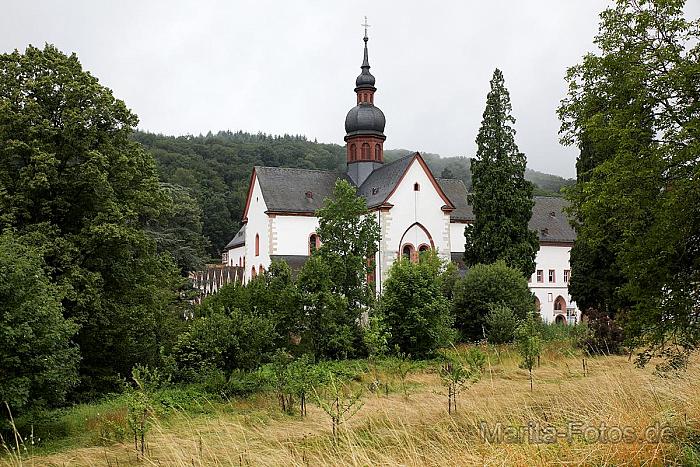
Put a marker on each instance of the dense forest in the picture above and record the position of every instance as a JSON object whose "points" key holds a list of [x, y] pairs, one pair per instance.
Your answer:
{"points": [[216, 169]]}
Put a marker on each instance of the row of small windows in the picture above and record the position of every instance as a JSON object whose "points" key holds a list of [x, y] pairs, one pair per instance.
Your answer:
{"points": [[408, 251], [365, 97], [366, 152], [551, 276], [254, 273]]}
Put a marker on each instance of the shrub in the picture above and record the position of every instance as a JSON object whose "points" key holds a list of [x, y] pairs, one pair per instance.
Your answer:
{"points": [[486, 285], [501, 324], [223, 342], [605, 335], [415, 309]]}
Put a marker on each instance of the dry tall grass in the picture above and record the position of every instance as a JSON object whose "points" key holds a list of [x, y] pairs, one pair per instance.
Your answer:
{"points": [[394, 430]]}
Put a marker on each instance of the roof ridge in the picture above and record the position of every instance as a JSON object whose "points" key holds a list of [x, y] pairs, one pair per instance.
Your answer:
{"points": [[296, 168]]}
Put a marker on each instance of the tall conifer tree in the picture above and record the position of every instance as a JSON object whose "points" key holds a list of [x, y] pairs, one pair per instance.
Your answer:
{"points": [[501, 196]]}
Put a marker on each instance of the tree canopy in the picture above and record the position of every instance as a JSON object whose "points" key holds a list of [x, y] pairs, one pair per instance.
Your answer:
{"points": [[80, 191], [501, 196], [633, 109]]}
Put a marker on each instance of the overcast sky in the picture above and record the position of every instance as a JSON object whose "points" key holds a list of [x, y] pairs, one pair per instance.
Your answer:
{"points": [[290, 66]]}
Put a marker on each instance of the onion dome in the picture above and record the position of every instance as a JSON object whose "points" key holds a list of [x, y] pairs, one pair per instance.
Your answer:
{"points": [[365, 118]]}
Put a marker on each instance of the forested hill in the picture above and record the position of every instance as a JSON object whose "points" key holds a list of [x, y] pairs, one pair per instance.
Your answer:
{"points": [[216, 169]]}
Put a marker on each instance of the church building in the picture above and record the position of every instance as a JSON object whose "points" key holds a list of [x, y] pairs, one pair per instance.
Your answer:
{"points": [[415, 211]]}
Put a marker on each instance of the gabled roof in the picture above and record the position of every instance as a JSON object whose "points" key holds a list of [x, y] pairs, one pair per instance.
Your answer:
{"points": [[457, 192], [381, 183], [237, 240], [550, 221], [285, 189]]}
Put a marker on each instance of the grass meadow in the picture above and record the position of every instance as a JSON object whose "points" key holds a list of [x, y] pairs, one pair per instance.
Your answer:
{"points": [[611, 413]]}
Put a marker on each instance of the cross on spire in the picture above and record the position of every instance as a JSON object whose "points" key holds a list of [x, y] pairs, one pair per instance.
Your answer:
{"points": [[366, 26]]}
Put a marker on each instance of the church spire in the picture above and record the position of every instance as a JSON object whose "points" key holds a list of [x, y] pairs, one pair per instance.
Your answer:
{"points": [[365, 80], [364, 126]]}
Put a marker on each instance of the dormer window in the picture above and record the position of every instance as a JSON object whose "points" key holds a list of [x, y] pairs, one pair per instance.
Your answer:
{"points": [[416, 186], [552, 214], [309, 195], [544, 232], [375, 190]]}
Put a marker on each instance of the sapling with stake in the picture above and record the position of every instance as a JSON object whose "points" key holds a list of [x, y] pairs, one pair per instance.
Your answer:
{"points": [[458, 372], [529, 344], [338, 402]]}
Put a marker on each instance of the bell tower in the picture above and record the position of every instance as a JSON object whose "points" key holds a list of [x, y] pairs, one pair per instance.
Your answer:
{"points": [[364, 126]]}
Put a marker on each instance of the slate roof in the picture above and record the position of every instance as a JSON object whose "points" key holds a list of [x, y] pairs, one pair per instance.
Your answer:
{"points": [[284, 189], [237, 240], [295, 262], [457, 193], [550, 220], [379, 184]]}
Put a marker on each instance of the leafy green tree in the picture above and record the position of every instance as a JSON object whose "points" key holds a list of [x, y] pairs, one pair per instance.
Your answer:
{"points": [[501, 196], [416, 312], [273, 295], [350, 236], [80, 192], [329, 328], [178, 231], [38, 360], [483, 287], [501, 324], [632, 109]]}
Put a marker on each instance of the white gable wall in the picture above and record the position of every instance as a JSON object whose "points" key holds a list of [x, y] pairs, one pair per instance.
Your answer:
{"points": [[258, 224], [410, 207]]}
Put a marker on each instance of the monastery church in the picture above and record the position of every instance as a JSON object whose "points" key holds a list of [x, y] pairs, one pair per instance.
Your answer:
{"points": [[415, 211]]}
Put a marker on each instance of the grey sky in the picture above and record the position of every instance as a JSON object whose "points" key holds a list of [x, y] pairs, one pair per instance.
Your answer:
{"points": [[290, 66]]}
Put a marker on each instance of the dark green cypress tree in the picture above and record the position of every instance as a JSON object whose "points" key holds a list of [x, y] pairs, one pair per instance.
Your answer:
{"points": [[501, 196]]}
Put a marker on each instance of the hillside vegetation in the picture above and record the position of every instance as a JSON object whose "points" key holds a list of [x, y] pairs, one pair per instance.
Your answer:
{"points": [[216, 169]]}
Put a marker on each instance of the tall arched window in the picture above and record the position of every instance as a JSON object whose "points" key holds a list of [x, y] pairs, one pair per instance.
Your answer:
{"points": [[538, 306], [377, 152], [253, 273], [353, 152], [261, 269], [257, 245], [365, 151], [314, 243], [408, 252]]}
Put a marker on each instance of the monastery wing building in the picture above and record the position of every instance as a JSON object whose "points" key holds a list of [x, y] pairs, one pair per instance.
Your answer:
{"points": [[415, 211]]}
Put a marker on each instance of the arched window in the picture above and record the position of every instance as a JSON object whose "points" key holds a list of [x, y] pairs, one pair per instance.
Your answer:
{"points": [[538, 306], [257, 245], [416, 186], [365, 151], [559, 304], [377, 152], [253, 273], [408, 252], [353, 152], [423, 248], [314, 243], [261, 269]]}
